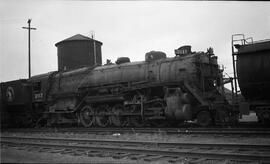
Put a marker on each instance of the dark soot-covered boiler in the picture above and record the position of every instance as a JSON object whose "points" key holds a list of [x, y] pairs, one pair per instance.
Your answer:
{"points": [[78, 51], [253, 70]]}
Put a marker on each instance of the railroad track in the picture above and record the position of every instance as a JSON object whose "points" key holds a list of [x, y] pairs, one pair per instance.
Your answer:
{"points": [[221, 131], [172, 152]]}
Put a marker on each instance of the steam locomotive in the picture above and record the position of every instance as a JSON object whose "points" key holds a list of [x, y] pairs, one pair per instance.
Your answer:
{"points": [[156, 92]]}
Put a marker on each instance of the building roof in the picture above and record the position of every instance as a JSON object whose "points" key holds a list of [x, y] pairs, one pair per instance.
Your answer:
{"points": [[78, 37]]}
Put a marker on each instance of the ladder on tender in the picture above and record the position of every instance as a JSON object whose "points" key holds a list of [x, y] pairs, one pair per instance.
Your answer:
{"points": [[237, 40]]}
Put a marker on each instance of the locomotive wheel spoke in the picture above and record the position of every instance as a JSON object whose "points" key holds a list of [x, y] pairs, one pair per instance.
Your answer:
{"points": [[86, 116], [102, 118], [204, 118]]}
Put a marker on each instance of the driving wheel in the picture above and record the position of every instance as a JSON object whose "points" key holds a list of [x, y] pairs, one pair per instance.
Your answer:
{"points": [[117, 119], [86, 116], [102, 118]]}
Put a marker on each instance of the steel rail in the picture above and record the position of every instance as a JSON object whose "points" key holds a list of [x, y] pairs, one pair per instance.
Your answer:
{"points": [[173, 144], [225, 131], [150, 151]]}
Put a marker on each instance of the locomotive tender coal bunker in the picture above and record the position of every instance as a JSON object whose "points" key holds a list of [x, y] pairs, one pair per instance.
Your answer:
{"points": [[156, 91]]}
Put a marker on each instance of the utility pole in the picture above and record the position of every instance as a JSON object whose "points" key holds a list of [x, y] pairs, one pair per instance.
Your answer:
{"points": [[29, 45]]}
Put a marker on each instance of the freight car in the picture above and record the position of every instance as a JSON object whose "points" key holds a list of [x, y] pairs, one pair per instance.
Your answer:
{"points": [[251, 61], [156, 91]]}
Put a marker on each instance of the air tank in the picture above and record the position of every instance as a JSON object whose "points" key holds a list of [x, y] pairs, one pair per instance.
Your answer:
{"points": [[253, 70], [78, 51]]}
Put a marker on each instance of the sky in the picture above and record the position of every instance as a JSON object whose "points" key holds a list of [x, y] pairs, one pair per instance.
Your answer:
{"points": [[126, 28]]}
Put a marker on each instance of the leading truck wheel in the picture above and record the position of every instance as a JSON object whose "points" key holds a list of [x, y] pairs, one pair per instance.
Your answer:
{"points": [[87, 116], [204, 118]]}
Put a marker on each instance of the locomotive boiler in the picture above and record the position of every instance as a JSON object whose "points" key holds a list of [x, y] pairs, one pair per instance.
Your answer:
{"points": [[157, 91]]}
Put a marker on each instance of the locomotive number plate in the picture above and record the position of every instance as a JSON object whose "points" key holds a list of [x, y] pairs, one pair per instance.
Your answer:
{"points": [[38, 96]]}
